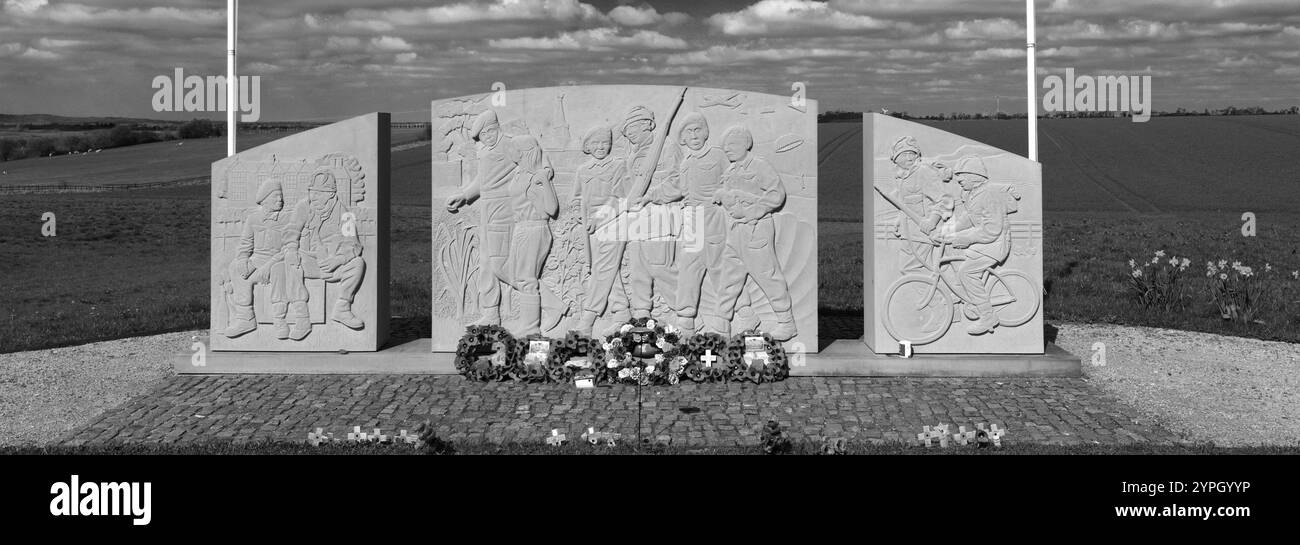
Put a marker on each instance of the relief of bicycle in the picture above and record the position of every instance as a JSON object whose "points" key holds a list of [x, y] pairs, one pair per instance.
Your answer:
{"points": [[953, 245]]}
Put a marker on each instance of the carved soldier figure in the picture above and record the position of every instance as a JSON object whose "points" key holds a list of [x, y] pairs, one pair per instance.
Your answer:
{"points": [[600, 186], [498, 159], [653, 262], [532, 204], [320, 243], [922, 190], [259, 259], [697, 182], [983, 233], [751, 191]]}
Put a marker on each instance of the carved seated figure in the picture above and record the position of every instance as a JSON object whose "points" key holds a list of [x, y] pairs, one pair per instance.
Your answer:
{"points": [[321, 243], [259, 259], [982, 234]]}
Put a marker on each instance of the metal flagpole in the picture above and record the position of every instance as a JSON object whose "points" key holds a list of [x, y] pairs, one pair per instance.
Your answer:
{"points": [[232, 84], [1031, 89]]}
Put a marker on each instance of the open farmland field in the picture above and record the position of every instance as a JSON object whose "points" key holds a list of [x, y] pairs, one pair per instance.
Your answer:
{"points": [[146, 163], [1167, 165], [135, 262]]}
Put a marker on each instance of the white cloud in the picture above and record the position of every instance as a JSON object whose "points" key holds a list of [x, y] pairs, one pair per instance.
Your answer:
{"points": [[406, 57], [53, 43], [775, 16], [20, 51], [390, 43], [645, 15], [24, 6], [994, 29], [343, 43], [40, 55], [998, 53], [260, 68], [80, 14], [633, 16], [494, 10], [726, 54], [596, 39]]}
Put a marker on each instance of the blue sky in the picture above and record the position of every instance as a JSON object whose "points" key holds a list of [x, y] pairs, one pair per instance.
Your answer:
{"points": [[329, 59]]}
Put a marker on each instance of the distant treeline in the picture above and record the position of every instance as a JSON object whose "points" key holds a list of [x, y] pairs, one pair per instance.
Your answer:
{"points": [[97, 137], [837, 115]]}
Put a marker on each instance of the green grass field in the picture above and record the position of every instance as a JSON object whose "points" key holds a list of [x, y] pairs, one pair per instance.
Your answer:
{"points": [[135, 262], [145, 163]]}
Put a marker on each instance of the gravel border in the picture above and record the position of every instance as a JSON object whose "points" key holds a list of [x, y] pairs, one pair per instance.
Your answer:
{"points": [[44, 394], [1231, 391]]}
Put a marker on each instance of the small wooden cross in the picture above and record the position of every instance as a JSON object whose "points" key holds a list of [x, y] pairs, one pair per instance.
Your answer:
{"points": [[708, 358], [318, 437], [924, 436], [962, 436], [941, 433], [556, 439]]}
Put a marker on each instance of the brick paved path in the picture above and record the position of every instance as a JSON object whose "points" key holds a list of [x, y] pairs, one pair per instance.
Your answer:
{"points": [[256, 407]]}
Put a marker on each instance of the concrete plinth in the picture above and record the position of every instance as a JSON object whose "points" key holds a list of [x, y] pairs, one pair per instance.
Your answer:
{"points": [[850, 358], [843, 358], [402, 357]]}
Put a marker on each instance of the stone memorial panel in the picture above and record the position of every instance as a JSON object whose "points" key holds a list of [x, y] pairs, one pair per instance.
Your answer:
{"points": [[578, 208], [300, 241], [953, 243]]}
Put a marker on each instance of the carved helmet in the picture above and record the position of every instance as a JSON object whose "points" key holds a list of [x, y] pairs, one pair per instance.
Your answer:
{"points": [[906, 143], [972, 164], [323, 180]]}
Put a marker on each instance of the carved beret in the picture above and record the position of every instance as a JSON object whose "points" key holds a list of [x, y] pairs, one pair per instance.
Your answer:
{"points": [[269, 185], [482, 121]]}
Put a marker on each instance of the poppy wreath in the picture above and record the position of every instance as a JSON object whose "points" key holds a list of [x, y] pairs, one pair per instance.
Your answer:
{"points": [[665, 367], [776, 368], [695, 348], [572, 346], [483, 340], [524, 371]]}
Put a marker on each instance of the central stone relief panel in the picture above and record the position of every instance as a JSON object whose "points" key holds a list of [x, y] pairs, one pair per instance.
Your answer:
{"points": [[578, 208]]}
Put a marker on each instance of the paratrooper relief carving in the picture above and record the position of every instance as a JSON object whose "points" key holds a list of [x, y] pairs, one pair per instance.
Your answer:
{"points": [[641, 226], [945, 245]]}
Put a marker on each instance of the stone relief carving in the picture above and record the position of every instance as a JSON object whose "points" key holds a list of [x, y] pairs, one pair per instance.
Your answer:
{"points": [[295, 239], [652, 212], [457, 263], [944, 240], [315, 238]]}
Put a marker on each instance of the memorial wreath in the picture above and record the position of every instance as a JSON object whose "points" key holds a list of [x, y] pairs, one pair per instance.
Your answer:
{"points": [[640, 351]]}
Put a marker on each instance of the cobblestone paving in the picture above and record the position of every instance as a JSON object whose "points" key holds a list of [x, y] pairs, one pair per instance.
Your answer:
{"points": [[272, 407], [275, 407]]}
